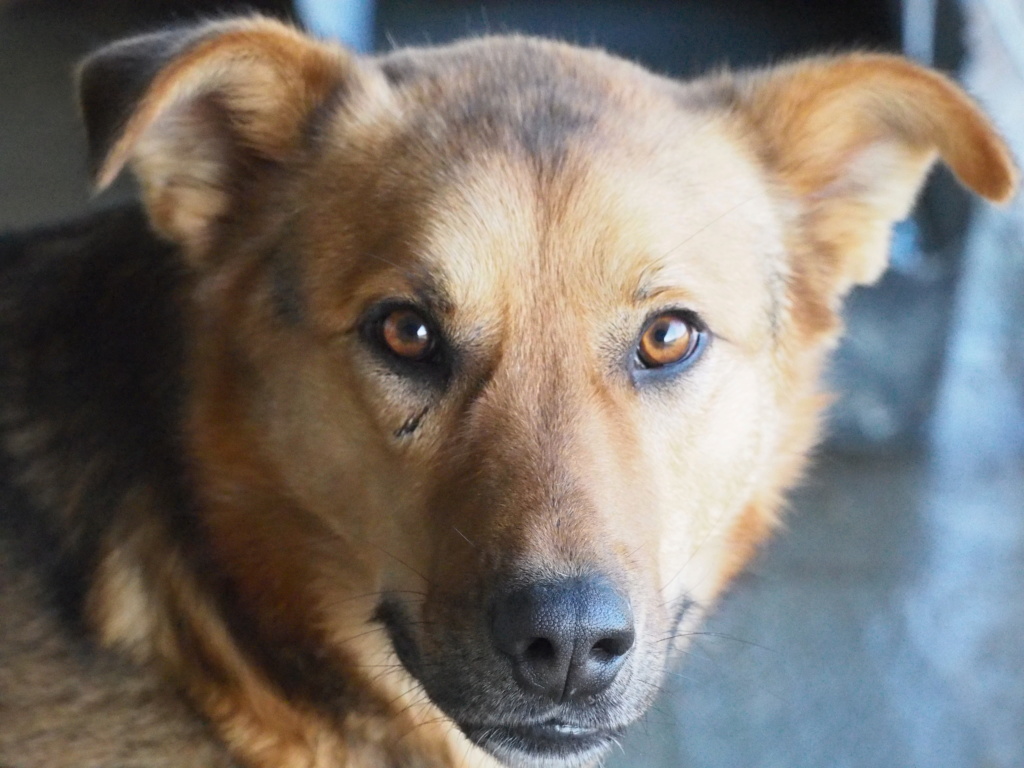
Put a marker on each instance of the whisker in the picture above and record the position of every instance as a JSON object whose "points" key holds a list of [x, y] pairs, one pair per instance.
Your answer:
{"points": [[707, 226], [347, 536], [464, 536], [724, 636]]}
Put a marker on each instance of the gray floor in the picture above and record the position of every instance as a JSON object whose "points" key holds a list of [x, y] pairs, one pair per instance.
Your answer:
{"points": [[884, 628]]}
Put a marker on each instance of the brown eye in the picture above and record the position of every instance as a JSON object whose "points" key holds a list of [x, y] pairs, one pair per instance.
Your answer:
{"points": [[407, 334], [669, 338]]}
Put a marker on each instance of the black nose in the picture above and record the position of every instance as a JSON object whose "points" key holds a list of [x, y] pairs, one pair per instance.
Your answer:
{"points": [[567, 639]]}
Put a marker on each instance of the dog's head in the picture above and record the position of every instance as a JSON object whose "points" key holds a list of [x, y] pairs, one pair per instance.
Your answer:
{"points": [[503, 353]]}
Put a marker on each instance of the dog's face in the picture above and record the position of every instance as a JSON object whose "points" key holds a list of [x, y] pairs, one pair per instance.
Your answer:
{"points": [[565, 378], [504, 353]]}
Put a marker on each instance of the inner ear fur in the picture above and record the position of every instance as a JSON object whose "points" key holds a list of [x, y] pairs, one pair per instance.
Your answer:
{"points": [[193, 109], [853, 137]]}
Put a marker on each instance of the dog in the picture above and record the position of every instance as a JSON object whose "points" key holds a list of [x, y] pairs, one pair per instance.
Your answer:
{"points": [[428, 401]]}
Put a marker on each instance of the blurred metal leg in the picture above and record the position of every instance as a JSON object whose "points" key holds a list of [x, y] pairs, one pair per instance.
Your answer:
{"points": [[350, 21]]}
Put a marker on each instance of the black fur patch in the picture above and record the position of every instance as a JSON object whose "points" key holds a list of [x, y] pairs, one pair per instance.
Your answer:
{"points": [[91, 355], [286, 288], [395, 618], [541, 112], [411, 424]]}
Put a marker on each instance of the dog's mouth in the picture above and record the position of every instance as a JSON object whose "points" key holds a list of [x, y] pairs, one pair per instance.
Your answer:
{"points": [[552, 739], [539, 741]]}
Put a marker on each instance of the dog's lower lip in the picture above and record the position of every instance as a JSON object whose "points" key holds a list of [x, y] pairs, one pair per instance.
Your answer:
{"points": [[549, 737], [565, 729]]}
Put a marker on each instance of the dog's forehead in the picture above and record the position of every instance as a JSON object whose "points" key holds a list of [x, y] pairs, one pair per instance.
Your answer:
{"points": [[538, 172], [617, 223], [613, 237]]}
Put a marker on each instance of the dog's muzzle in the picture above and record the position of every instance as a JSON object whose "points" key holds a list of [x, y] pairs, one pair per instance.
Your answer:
{"points": [[536, 686]]}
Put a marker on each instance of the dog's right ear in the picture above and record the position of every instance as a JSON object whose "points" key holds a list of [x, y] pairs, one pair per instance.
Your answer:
{"points": [[198, 111]]}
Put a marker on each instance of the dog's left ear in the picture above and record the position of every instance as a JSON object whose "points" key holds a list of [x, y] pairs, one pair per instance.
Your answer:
{"points": [[200, 112], [853, 138]]}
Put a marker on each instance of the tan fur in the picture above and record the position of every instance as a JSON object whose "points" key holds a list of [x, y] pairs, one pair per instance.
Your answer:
{"points": [[754, 200]]}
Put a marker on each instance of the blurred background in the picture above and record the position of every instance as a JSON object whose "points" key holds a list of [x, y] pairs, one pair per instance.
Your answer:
{"points": [[885, 626]]}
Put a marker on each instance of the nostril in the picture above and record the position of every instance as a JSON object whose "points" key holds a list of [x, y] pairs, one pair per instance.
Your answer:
{"points": [[541, 649], [610, 648], [603, 651]]}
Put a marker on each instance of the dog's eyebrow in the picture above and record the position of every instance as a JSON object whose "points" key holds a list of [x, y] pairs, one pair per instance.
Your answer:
{"points": [[423, 283], [431, 293], [649, 290]]}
